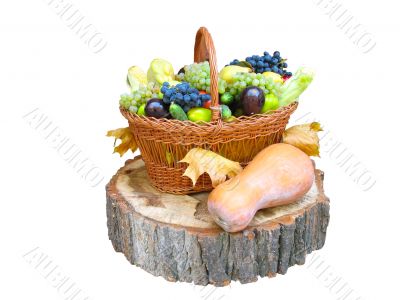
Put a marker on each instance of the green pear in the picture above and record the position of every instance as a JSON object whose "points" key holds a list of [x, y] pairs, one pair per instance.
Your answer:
{"points": [[160, 71], [271, 103]]}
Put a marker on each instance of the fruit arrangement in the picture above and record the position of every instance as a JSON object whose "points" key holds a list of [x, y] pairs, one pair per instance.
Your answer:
{"points": [[256, 85], [237, 110]]}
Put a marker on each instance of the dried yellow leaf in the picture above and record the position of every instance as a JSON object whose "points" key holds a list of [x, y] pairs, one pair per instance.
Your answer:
{"points": [[204, 161], [305, 137], [127, 140]]}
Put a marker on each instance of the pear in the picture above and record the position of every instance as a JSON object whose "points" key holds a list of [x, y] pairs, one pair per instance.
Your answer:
{"points": [[271, 103], [228, 72], [160, 71]]}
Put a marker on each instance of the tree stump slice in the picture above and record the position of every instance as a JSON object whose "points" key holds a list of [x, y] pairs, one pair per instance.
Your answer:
{"points": [[174, 236]]}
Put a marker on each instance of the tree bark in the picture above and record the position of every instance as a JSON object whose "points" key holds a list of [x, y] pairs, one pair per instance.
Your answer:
{"points": [[173, 236]]}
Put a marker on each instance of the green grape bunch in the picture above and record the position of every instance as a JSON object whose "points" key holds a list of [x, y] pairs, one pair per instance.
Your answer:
{"points": [[197, 75], [132, 101], [240, 81]]}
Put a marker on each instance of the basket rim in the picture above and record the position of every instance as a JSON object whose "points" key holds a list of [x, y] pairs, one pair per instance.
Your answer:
{"points": [[239, 120]]}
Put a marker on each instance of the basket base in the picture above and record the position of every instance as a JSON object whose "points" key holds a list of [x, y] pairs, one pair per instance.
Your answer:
{"points": [[163, 143], [173, 236]]}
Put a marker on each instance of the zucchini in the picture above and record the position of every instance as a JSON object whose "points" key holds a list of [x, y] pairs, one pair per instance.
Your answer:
{"points": [[177, 112]]}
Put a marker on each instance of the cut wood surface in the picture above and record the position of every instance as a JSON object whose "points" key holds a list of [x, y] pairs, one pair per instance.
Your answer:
{"points": [[175, 237]]}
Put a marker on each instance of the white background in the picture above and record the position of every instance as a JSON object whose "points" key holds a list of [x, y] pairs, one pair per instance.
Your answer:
{"points": [[44, 65]]}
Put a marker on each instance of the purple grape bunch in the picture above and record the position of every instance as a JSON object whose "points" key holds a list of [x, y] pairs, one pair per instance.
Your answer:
{"points": [[184, 95], [267, 63]]}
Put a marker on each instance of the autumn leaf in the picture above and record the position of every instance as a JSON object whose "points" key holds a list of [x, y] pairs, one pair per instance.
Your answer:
{"points": [[127, 140], [304, 137], [204, 161]]}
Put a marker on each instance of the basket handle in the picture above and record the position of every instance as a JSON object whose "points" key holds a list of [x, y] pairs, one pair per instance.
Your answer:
{"points": [[204, 50]]}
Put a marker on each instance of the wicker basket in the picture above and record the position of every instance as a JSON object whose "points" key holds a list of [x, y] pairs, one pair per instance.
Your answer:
{"points": [[164, 142]]}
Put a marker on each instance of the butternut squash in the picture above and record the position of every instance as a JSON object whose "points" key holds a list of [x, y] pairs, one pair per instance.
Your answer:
{"points": [[280, 174]]}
